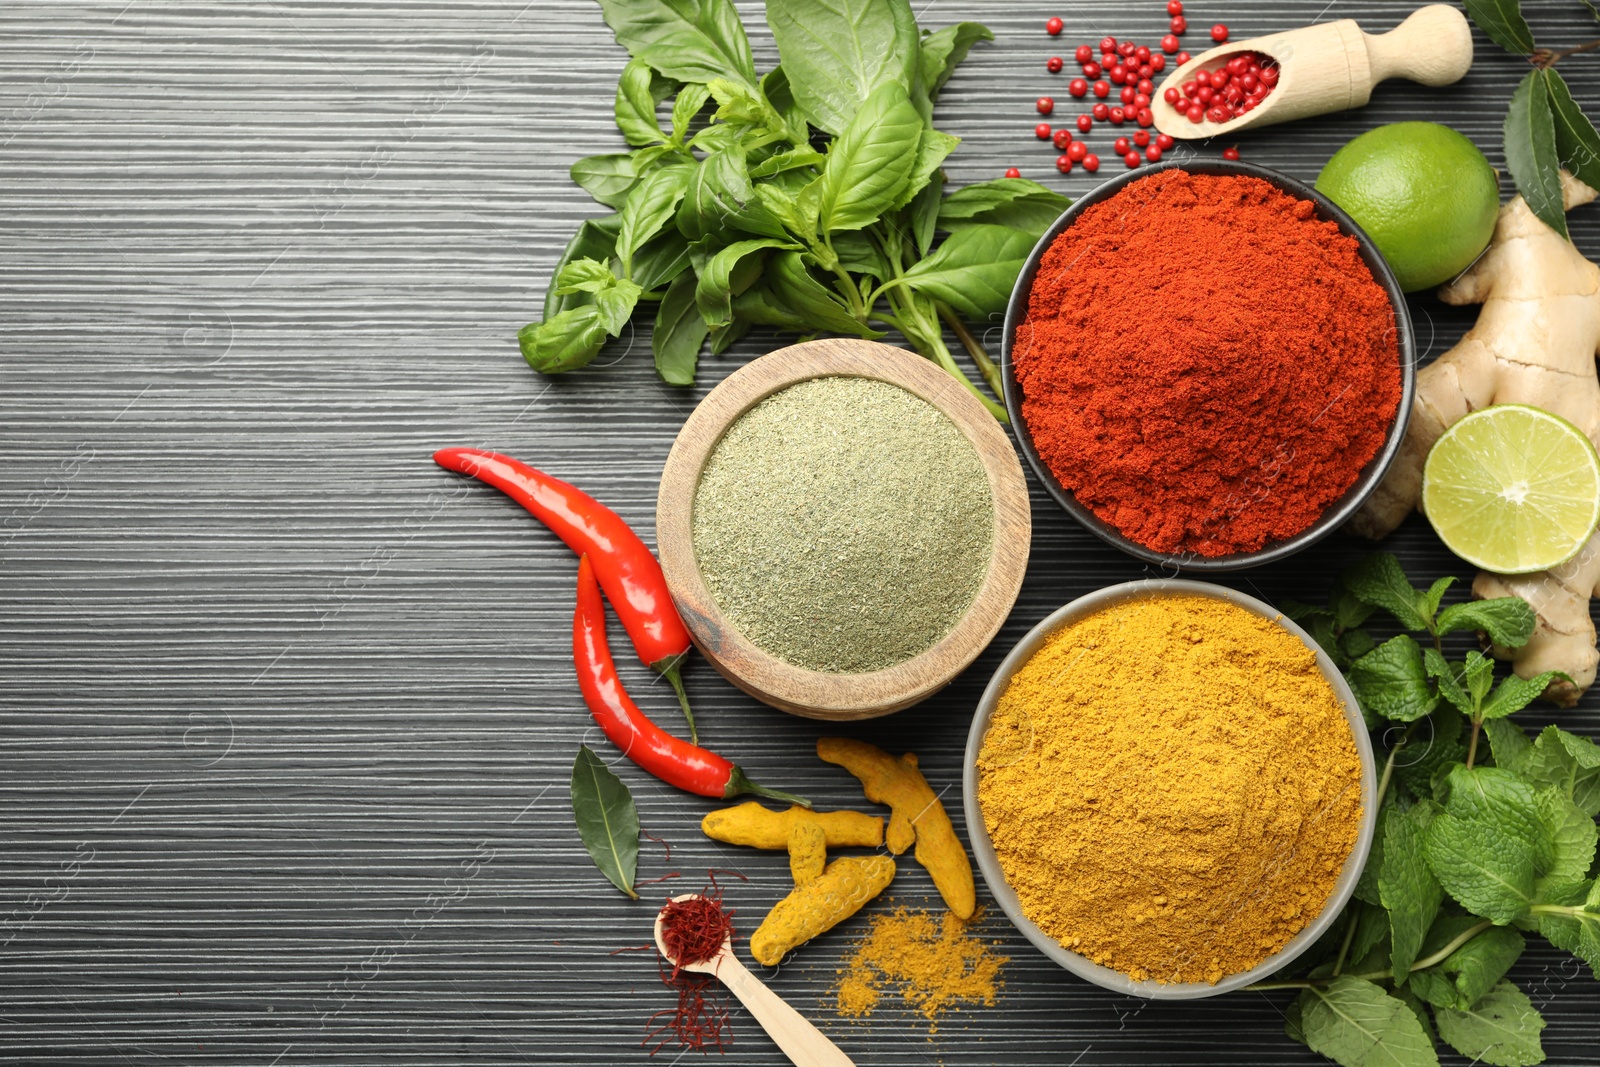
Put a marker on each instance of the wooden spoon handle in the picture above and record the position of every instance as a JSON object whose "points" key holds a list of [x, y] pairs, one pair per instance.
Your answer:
{"points": [[1433, 46], [799, 1040]]}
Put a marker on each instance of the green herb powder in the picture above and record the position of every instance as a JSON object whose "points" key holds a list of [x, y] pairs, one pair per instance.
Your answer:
{"points": [[844, 524]]}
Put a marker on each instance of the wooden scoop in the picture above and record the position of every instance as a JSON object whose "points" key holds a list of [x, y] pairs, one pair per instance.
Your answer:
{"points": [[1329, 67], [803, 1043]]}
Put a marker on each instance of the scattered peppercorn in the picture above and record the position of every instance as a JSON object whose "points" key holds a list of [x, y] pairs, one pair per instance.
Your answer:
{"points": [[1174, 7], [1219, 33], [1054, 64], [1064, 164], [1078, 87], [1153, 154], [1181, 58], [1231, 154], [1077, 151], [1013, 172], [1131, 159], [1062, 138], [1083, 53], [1085, 123], [1054, 27], [1045, 105], [1179, 24], [1042, 131], [1091, 162]]}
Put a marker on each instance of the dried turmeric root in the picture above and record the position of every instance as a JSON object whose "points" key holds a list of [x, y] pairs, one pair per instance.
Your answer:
{"points": [[754, 826], [843, 889], [1534, 343], [808, 852], [916, 816]]}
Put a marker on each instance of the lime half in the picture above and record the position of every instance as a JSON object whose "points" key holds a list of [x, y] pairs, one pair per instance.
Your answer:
{"points": [[1513, 489]]}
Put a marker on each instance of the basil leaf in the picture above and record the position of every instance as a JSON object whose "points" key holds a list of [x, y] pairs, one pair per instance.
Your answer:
{"points": [[639, 90], [759, 305], [1530, 142], [796, 157], [679, 333], [687, 40], [1355, 1023], [775, 87], [691, 98], [717, 286], [1577, 141], [1501, 1029], [870, 162], [819, 306], [607, 820], [595, 239], [616, 305], [648, 209], [974, 270], [719, 196], [932, 150], [1508, 620], [838, 53], [565, 341], [661, 260], [1379, 580], [1502, 20], [723, 338], [1391, 681], [1014, 202], [609, 179], [943, 50], [584, 276]]}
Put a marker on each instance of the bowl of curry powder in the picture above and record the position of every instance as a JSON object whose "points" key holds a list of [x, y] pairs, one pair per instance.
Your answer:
{"points": [[1170, 789]]}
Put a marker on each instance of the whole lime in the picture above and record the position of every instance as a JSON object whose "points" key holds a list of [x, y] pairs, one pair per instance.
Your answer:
{"points": [[1423, 193]]}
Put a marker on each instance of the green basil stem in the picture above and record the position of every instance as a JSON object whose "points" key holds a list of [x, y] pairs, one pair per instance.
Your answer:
{"points": [[980, 356], [1378, 976], [927, 336]]}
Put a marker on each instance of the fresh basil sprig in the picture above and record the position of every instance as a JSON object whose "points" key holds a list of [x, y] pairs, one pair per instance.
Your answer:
{"points": [[1484, 835], [810, 199]]}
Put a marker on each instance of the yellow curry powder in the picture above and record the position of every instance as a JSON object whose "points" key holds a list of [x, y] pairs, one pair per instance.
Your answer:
{"points": [[1172, 787], [931, 959]]}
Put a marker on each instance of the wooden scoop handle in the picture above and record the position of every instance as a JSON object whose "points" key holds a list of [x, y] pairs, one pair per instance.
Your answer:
{"points": [[1433, 46], [800, 1041]]}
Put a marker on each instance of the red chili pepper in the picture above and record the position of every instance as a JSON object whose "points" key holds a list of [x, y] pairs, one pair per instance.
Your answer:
{"points": [[627, 569], [670, 759]]}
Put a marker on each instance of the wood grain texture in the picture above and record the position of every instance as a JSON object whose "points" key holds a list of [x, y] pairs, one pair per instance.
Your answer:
{"points": [[286, 712], [818, 694]]}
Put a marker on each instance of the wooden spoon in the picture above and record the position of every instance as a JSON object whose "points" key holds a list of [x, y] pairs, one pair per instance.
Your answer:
{"points": [[1329, 67], [800, 1041]]}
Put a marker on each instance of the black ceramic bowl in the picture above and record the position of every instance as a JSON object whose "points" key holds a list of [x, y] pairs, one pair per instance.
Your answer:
{"points": [[1337, 512]]}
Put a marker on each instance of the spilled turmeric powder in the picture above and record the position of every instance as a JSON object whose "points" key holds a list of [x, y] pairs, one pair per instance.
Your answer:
{"points": [[935, 963], [1171, 787]]}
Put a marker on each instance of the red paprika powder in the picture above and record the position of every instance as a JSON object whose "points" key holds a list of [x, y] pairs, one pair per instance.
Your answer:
{"points": [[1205, 364]]}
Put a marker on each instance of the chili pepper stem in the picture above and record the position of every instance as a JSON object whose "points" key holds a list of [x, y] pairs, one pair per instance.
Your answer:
{"points": [[672, 673], [739, 783]]}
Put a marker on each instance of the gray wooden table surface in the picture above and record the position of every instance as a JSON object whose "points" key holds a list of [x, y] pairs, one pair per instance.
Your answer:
{"points": [[287, 713]]}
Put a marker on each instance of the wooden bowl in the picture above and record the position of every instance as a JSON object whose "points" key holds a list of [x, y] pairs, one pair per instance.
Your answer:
{"points": [[820, 694]]}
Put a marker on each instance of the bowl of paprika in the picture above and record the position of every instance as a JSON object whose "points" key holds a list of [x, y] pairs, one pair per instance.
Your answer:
{"points": [[1235, 398]]}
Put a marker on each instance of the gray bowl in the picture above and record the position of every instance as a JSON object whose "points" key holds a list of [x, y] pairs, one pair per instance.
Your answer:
{"points": [[1337, 512], [989, 863]]}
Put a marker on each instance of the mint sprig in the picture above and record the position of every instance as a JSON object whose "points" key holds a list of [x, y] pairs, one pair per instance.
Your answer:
{"points": [[1485, 834]]}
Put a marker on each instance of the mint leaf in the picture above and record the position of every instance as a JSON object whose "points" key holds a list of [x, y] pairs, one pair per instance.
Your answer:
{"points": [[1514, 694], [1471, 970], [1438, 747], [1502, 20], [1501, 1029], [1493, 796], [1510, 745], [1391, 681], [1530, 146], [1479, 670], [1577, 931], [1407, 888], [1569, 763], [1418, 1008], [1508, 620], [1572, 837], [607, 820], [1449, 678], [1291, 1017], [1430, 599], [1357, 1024], [1367, 889], [1356, 643], [1488, 871], [1379, 580]]}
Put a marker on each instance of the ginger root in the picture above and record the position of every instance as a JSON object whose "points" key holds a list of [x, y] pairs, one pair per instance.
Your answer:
{"points": [[1534, 343], [844, 888], [915, 815]]}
